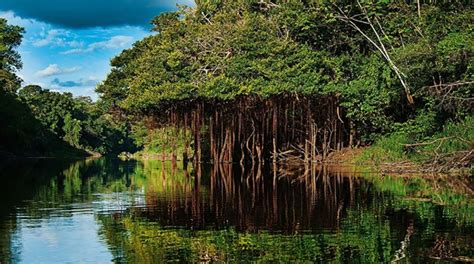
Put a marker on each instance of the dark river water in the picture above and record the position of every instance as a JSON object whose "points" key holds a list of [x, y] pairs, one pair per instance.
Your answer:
{"points": [[110, 211]]}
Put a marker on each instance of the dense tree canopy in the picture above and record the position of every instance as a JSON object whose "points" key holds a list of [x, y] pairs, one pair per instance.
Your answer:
{"points": [[37, 122], [10, 38], [20, 132], [332, 72], [77, 120], [225, 49], [233, 48], [385, 62]]}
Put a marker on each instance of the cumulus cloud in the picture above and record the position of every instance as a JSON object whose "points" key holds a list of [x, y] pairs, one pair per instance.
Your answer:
{"points": [[91, 13], [48, 39], [116, 42], [15, 20], [56, 37], [113, 43], [54, 69]]}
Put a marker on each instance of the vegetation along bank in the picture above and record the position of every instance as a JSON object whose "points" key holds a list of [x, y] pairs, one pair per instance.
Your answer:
{"points": [[279, 81], [251, 81]]}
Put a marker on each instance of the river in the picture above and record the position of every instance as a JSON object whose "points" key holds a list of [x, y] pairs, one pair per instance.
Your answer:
{"points": [[111, 211]]}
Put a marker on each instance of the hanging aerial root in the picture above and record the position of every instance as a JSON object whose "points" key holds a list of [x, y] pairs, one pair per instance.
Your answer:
{"points": [[278, 129]]}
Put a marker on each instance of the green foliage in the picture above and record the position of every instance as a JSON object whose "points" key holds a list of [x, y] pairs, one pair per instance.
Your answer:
{"points": [[10, 38], [370, 98], [222, 50], [50, 108], [454, 137], [163, 140], [79, 121], [22, 134], [72, 130], [385, 149]]}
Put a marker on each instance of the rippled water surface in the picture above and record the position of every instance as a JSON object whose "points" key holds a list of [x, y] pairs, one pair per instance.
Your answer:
{"points": [[103, 211]]}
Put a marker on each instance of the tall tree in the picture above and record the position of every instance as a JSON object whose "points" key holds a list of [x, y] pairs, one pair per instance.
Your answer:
{"points": [[10, 61]]}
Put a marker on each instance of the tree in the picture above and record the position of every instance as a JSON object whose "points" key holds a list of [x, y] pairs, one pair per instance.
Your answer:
{"points": [[355, 68], [10, 61], [72, 130]]}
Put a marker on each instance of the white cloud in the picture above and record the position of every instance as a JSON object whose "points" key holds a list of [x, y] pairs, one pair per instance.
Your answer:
{"points": [[48, 39], [116, 42], [56, 37], [72, 51], [15, 20], [54, 69], [113, 43]]}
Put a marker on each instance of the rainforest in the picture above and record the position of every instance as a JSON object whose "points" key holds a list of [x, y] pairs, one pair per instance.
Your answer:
{"points": [[254, 131]]}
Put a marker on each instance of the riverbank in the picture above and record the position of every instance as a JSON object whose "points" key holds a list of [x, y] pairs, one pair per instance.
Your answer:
{"points": [[76, 154], [141, 155], [365, 157], [376, 157], [451, 150]]}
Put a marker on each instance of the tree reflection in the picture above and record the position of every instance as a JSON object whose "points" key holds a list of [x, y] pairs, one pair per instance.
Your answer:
{"points": [[155, 211], [227, 195], [230, 213]]}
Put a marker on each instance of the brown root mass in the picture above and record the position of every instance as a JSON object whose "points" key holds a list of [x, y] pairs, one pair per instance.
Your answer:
{"points": [[253, 129]]}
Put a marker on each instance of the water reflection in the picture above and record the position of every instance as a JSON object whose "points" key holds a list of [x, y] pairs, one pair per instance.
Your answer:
{"points": [[225, 195], [152, 212]]}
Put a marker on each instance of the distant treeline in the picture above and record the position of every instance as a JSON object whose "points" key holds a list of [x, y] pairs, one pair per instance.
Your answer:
{"points": [[39, 122]]}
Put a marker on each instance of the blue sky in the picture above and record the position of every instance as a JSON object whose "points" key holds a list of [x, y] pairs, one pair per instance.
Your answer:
{"points": [[68, 45]]}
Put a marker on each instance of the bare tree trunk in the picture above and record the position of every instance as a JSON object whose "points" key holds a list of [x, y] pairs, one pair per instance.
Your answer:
{"points": [[275, 132], [186, 141], [419, 8], [352, 133]]}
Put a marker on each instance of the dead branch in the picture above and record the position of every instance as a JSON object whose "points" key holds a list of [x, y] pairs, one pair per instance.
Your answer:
{"points": [[378, 44], [447, 96], [427, 143]]}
